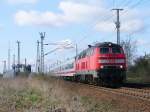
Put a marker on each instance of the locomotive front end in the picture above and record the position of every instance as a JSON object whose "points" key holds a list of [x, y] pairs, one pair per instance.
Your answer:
{"points": [[111, 63]]}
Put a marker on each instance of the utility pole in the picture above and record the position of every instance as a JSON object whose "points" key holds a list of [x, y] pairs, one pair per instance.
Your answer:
{"points": [[25, 62], [118, 24], [9, 57], [42, 34], [38, 58], [76, 50], [14, 63], [18, 66], [4, 69]]}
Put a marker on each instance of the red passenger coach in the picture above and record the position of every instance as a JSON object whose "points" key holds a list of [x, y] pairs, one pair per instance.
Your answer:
{"points": [[101, 63]]}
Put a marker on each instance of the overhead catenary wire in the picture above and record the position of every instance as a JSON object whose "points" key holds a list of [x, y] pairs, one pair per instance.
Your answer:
{"points": [[136, 4], [114, 3], [126, 3], [130, 5], [133, 6]]}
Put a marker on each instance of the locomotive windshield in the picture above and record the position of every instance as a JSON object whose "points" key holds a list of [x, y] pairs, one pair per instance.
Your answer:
{"points": [[104, 50], [116, 50]]}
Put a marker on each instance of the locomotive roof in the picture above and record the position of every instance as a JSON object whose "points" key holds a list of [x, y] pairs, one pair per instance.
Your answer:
{"points": [[107, 44]]}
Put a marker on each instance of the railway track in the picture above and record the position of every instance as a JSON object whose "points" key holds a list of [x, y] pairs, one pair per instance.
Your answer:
{"points": [[140, 94], [135, 93]]}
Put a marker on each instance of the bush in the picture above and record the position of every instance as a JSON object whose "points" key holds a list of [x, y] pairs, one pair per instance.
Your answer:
{"points": [[141, 69]]}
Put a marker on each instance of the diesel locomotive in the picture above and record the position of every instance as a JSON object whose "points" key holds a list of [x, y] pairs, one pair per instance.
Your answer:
{"points": [[102, 64]]}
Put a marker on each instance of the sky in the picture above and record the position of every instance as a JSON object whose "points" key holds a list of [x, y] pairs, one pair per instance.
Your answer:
{"points": [[80, 22]]}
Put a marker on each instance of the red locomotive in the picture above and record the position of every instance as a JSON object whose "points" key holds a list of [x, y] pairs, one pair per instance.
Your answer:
{"points": [[103, 63]]}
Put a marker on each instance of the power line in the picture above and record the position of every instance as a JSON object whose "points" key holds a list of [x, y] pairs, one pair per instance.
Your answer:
{"points": [[130, 5], [136, 4], [114, 3], [133, 6], [126, 3], [52, 51]]}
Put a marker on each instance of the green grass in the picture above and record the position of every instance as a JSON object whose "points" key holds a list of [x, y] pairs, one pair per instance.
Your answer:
{"points": [[94, 106], [41, 94], [133, 78]]}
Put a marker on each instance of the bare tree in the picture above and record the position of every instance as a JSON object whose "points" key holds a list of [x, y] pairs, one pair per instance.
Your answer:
{"points": [[130, 49]]}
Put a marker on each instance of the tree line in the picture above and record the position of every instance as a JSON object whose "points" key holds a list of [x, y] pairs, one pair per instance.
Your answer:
{"points": [[138, 66]]}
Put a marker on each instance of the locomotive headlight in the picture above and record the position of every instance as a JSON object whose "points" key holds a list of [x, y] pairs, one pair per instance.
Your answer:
{"points": [[102, 67], [121, 66]]}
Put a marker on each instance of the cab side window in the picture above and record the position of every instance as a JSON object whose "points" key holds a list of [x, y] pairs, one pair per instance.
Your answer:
{"points": [[90, 51], [84, 54]]}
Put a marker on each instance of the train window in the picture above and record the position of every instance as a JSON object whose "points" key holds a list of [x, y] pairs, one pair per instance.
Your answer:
{"points": [[92, 51], [80, 56], [88, 53], [104, 50], [71, 65], [116, 50], [84, 54]]}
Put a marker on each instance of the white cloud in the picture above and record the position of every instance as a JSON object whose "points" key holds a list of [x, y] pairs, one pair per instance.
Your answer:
{"points": [[72, 12], [130, 23], [79, 12], [75, 11], [105, 26], [132, 26], [22, 1], [36, 18], [128, 26]]}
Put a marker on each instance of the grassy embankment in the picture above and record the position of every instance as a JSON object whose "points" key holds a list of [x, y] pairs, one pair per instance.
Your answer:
{"points": [[40, 94], [139, 72], [138, 77]]}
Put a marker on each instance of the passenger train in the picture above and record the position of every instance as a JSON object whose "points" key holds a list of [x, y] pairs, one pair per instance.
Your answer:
{"points": [[102, 64]]}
